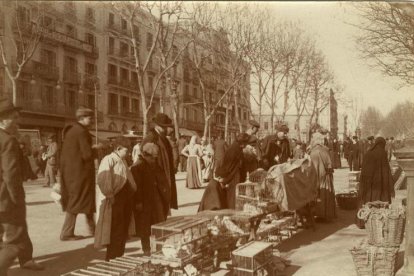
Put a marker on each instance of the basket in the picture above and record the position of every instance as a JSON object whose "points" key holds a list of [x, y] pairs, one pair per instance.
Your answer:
{"points": [[385, 225], [374, 261], [347, 201]]}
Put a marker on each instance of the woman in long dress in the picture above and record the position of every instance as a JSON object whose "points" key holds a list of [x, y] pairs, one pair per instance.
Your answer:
{"points": [[193, 152], [321, 160], [376, 183], [208, 161]]}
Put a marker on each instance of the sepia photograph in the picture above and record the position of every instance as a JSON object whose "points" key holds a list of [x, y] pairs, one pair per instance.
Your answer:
{"points": [[197, 138]]}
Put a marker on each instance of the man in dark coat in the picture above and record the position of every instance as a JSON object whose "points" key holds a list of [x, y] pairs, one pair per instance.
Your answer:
{"points": [[283, 152], [252, 153], [232, 171], [354, 155], [152, 198], [165, 160], [182, 142], [220, 148], [16, 241], [77, 169]]}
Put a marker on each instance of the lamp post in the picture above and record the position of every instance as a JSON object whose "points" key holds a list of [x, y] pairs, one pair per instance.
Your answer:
{"points": [[405, 158]]}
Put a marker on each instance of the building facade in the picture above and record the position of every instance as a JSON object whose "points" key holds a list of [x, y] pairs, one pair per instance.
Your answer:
{"points": [[82, 60]]}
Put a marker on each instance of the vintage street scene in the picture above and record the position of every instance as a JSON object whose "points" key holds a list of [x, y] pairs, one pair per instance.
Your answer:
{"points": [[185, 138]]}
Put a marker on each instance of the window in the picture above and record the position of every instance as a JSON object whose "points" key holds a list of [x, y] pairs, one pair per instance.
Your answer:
{"points": [[90, 68], [23, 15], [23, 90], [150, 83], [266, 125], [186, 114], [112, 127], [90, 39], [90, 101], [134, 78], [149, 40], [111, 45], [90, 15], [136, 32], [135, 106], [124, 75], [123, 24], [186, 91], [71, 64], [125, 104], [111, 21], [123, 51], [195, 92], [70, 31], [47, 22], [71, 99], [112, 73], [113, 103], [48, 57]]}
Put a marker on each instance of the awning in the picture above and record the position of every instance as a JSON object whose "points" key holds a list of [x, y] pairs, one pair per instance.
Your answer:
{"points": [[187, 132], [105, 135]]}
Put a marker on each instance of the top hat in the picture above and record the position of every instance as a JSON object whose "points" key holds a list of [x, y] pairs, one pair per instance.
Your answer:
{"points": [[162, 120], [6, 107], [254, 123]]}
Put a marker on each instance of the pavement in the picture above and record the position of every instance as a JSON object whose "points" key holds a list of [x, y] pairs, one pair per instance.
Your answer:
{"points": [[324, 251]]}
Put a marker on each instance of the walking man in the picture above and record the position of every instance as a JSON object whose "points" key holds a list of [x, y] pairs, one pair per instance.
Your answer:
{"points": [[78, 175], [51, 162], [165, 159], [16, 241]]}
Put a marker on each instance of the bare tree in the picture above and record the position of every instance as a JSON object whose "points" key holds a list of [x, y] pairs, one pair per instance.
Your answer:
{"points": [[386, 38], [395, 122], [162, 19], [371, 120], [26, 35]]}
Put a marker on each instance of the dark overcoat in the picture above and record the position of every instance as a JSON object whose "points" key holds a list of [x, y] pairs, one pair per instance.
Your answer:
{"points": [[165, 161], [77, 171], [153, 194], [12, 195]]}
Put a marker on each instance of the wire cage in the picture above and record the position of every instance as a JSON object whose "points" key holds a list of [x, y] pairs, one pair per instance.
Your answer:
{"points": [[258, 176], [252, 198], [251, 257]]}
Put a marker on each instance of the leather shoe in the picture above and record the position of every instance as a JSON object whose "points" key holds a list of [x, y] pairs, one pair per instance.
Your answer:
{"points": [[72, 238], [32, 265]]}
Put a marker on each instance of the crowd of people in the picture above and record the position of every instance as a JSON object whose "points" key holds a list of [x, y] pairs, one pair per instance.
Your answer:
{"points": [[132, 196]]}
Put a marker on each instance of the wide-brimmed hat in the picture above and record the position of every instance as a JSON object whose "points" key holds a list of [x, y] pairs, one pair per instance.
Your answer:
{"points": [[163, 120], [6, 107], [254, 123], [84, 112]]}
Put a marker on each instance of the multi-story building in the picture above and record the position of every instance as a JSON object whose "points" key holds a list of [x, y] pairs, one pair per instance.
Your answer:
{"points": [[82, 59]]}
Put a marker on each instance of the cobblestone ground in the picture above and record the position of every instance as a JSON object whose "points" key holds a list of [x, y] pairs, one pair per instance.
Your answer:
{"points": [[323, 252]]}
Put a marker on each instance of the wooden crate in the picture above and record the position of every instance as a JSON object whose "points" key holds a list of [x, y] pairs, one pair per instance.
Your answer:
{"points": [[252, 257], [183, 230]]}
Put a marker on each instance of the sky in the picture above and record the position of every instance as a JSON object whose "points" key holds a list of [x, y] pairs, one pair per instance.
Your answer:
{"points": [[328, 22]]}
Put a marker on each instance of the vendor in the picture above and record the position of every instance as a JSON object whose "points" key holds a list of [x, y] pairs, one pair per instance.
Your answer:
{"points": [[152, 199]]}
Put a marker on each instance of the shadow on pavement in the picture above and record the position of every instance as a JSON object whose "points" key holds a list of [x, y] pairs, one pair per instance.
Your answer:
{"points": [[39, 202]]}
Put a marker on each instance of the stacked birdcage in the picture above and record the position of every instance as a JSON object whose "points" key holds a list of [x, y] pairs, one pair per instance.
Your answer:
{"points": [[385, 227], [254, 258]]}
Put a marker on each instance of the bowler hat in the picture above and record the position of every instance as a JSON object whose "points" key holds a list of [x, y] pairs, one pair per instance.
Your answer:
{"points": [[243, 138], [6, 107], [84, 112], [163, 120], [254, 123]]}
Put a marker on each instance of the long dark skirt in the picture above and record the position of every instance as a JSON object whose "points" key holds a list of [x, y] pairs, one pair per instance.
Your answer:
{"points": [[214, 197], [193, 172], [326, 206]]}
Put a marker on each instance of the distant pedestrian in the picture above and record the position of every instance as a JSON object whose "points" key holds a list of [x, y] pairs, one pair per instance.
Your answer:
{"points": [[152, 199], [16, 241], [321, 160], [376, 182], [51, 162], [77, 169], [193, 152], [136, 151], [182, 142], [28, 173], [158, 136], [118, 186], [354, 155]]}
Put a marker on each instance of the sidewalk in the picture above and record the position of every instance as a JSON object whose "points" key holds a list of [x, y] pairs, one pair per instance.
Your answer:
{"points": [[321, 252]]}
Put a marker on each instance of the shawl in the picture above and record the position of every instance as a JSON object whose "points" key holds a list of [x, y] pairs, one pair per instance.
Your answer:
{"points": [[113, 173], [232, 163]]}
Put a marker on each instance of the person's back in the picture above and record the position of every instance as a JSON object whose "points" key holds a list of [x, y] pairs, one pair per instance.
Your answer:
{"points": [[220, 147]]}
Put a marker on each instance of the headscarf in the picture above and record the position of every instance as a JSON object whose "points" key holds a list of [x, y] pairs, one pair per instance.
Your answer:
{"points": [[193, 140], [317, 139]]}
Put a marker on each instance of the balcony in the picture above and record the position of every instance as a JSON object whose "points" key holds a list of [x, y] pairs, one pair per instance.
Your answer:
{"points": [[72, 77], [191, 125], [45, 71], [94, 53], [129, 115], [112, 80]]}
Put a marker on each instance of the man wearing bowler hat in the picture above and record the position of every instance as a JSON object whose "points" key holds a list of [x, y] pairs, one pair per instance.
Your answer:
{"points": [[158, 136], [16, 241], [77, 169]]}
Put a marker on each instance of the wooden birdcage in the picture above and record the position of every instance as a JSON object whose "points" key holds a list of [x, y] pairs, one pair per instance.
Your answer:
{"points": [[251, 258]]}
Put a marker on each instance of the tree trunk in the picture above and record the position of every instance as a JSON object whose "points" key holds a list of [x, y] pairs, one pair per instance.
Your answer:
{"points": [[206, 124], [14, 90], [226, 125], [175, 109], [236, 107], [143, 106], [297, 126]]}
